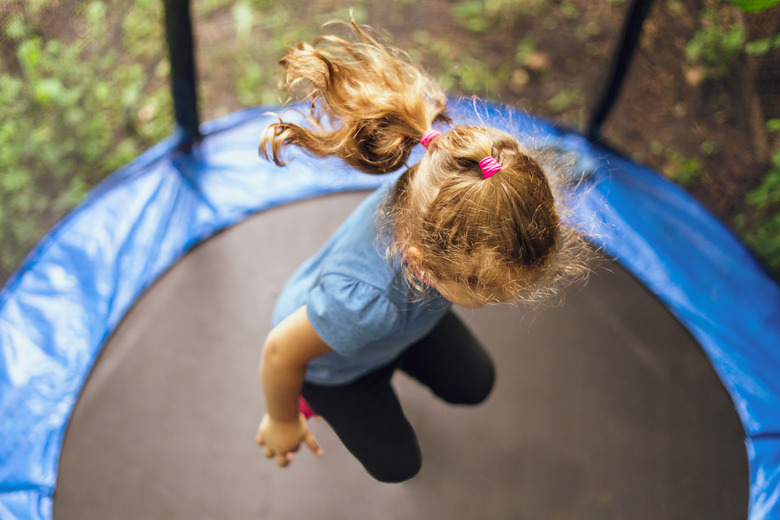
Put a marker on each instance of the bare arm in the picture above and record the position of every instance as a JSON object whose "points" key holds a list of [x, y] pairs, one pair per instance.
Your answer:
{"points": [[288, 347]]}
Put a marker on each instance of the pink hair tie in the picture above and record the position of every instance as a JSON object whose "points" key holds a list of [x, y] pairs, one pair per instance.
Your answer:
{"points": [[428, 136], [489, 166]]}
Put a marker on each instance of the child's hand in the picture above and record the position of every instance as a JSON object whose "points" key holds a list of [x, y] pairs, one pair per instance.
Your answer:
{"points": [[282, 438]]}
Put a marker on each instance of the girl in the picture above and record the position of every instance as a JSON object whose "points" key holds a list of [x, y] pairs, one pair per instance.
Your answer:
{"points": [[474, 222]]}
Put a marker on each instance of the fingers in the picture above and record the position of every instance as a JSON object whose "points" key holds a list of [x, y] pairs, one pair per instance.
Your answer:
{"points": [[276, 441], [311, 442], [283, 459]]}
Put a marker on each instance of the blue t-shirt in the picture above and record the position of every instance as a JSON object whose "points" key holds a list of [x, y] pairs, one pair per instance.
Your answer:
{"points": [[357, 300]]}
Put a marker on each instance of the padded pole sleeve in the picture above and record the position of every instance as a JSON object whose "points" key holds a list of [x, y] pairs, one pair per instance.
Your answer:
{"points": [[181, 49]]}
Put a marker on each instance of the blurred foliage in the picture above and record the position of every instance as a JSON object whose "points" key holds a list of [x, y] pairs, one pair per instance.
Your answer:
{"points": [[685, 171], [566, 99], [717, 44], [716, 51], [73, 109], [762, 231], [754, 6], [263, 31], [458, 69], [721, 41], [480, 16]]}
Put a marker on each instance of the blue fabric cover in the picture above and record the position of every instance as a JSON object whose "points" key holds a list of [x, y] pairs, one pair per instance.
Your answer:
{"points": [[60, 306]]}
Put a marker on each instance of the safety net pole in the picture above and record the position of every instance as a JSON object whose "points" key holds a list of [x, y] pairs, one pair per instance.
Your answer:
{"points": [[181, 50], [621, 59]]}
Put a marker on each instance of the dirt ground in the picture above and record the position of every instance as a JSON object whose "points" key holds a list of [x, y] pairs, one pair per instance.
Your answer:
{"points": [[550, 57]]}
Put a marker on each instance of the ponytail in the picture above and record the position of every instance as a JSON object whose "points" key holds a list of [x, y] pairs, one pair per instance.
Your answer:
{"points": [[368, 104]]}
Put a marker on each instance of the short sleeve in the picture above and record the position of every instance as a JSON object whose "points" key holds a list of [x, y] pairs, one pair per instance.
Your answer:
{"points": [[349, 314]]}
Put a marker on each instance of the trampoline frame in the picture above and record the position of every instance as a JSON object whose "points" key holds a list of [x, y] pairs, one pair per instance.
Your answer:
{"points": [[70, 293]]}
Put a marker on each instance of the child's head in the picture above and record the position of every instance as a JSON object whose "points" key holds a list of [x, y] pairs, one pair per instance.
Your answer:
{"points": [[477, 240]]}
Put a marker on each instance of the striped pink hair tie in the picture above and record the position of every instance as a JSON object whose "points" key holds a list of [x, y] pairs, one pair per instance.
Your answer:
{"points": [[489, 166], [428, 136]]}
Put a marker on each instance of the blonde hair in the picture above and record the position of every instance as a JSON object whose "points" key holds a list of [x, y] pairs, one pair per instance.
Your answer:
{"points": [[496, 240], [368, 104]]}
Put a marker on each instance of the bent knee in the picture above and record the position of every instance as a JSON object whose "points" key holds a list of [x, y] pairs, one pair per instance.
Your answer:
{"points": [[397, 472], [476, 391]]}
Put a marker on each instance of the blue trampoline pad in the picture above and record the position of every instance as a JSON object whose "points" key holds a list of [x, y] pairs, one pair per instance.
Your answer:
{"points": [[75, 288]]}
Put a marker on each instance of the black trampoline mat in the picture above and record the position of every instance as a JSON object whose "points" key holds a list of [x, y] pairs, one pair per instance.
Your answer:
{"points": [[604, 407]]}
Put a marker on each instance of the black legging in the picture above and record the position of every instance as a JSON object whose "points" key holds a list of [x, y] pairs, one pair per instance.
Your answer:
{"points": [[367, 416]]}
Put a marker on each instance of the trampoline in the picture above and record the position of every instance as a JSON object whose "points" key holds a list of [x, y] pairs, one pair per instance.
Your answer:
{"points": [[652, 393]]}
